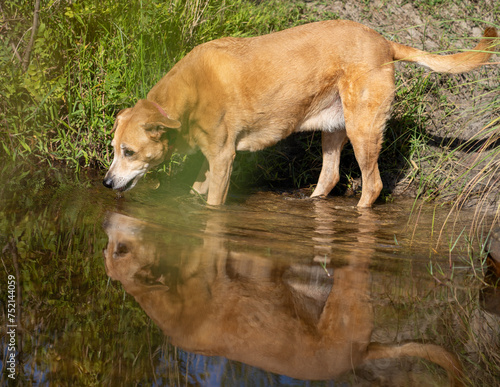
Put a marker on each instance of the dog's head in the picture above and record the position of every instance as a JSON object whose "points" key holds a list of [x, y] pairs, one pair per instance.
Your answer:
{"points": [[143, 137]]}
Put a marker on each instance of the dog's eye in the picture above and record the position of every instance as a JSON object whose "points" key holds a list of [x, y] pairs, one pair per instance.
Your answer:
{"points": [[128, 152], [120, 250]]}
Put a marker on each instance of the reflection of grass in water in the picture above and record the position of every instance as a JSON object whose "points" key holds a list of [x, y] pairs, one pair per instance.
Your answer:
{"points": [[469, 329], [473, 330], [74, 324], [476, 333], [447, 312]]}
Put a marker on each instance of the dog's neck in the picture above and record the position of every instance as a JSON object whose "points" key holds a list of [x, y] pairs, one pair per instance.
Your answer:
{"points": [[160, 109]]}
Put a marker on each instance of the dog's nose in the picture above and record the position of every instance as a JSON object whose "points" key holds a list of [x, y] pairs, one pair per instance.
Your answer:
{"points": [[107, 182]]}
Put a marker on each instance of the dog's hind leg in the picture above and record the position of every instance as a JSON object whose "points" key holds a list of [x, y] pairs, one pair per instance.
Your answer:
{"points": [[332, 144], [367, 143], [366, 109]]}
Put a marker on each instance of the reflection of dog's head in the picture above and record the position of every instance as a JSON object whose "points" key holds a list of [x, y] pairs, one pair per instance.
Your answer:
{"points": [[129, 258], [141, 141]]}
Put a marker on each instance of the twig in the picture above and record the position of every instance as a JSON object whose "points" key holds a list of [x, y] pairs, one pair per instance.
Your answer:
{"points": [[34, 30], [16, 53]]}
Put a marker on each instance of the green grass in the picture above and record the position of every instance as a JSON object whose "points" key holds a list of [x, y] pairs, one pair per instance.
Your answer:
{"points": [[92, 58]]}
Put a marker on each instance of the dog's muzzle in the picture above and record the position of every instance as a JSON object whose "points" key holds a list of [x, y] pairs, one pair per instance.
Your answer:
{"points": [[121, 184], [110, 183]]}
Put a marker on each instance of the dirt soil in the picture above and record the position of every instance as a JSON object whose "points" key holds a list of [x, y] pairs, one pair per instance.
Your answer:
{"points": [[465, 105]]}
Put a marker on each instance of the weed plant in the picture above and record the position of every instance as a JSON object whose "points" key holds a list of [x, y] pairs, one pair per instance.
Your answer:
{"points": [[92, 58]]}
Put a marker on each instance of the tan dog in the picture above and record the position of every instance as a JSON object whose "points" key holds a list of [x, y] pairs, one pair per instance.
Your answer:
{"points": [[248, 93]]}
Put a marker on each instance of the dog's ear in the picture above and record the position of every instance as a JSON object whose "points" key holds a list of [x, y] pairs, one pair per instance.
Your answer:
{"points": [[158, 131], [166, 122], [158, 125]]}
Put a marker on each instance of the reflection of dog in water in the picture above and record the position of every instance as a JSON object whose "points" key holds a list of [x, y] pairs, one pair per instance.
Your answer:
{"points": [[281, 318]]}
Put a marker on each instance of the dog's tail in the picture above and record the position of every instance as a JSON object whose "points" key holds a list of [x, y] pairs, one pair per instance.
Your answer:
{"points": [[431, 352], [456, 63]]}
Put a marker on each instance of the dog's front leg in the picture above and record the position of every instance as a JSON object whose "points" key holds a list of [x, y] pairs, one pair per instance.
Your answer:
{"points": [[202, 180], [332, 144], [221, 166]]}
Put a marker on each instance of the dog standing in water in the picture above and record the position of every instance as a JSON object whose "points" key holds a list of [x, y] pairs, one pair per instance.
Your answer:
{"points": [[235, 94]]}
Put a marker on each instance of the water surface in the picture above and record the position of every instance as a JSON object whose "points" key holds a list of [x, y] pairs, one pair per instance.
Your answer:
{"points": [[154, 288]]}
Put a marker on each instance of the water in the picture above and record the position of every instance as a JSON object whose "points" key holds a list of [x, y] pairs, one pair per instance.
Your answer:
{"points": [[153, 288]]}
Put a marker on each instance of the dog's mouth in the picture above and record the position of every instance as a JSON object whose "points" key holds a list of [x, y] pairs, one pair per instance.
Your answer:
{"points": [[127, 186], [131, 183], [123, 183]]}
